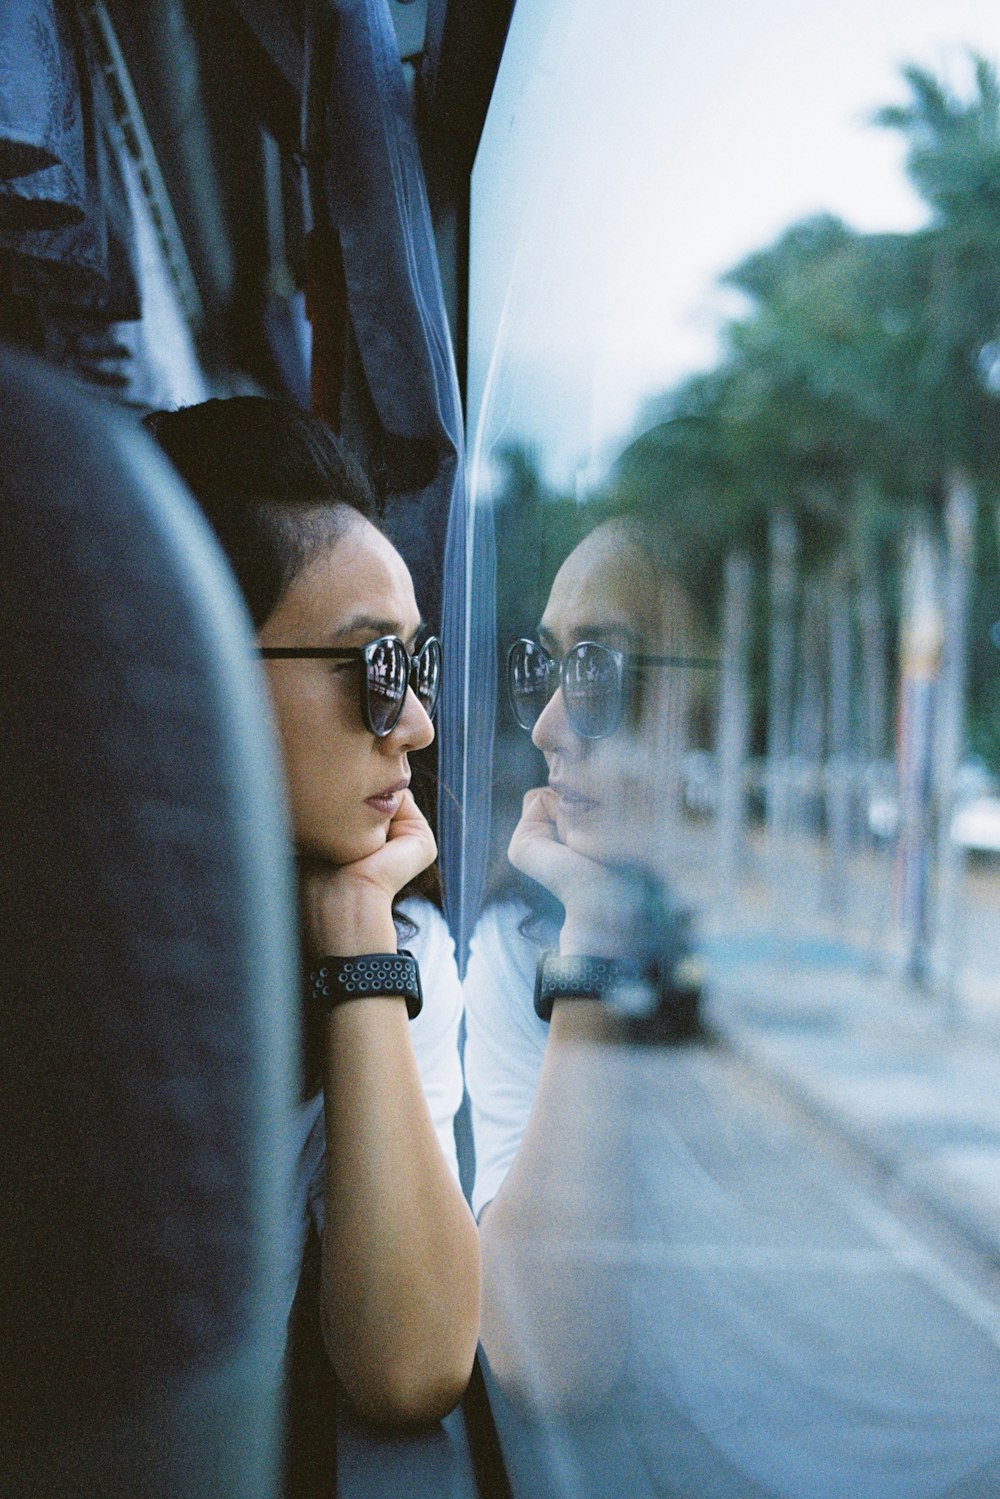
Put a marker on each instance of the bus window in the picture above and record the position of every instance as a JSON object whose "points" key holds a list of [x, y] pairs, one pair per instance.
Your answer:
{"points": [[731, 997]]}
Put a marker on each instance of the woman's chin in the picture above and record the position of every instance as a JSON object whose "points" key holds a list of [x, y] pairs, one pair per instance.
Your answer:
{"points": [[366, 843], [593, 842], [349, 848]]}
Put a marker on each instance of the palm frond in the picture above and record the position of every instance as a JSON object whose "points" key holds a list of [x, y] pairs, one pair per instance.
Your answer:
{"points": [[988, 89], [932, 105], [893, 117]]}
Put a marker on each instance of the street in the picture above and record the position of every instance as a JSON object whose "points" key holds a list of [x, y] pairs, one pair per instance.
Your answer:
{"points": [[809, 1261]]}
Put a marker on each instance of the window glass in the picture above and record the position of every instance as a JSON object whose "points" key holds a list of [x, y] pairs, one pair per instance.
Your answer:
{"points": [[733, 996]]}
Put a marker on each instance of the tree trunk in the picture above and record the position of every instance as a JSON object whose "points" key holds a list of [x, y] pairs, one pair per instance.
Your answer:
{"points": [[839, 759], [874, 662], [734, 719], [809, 722], [783, 542]]}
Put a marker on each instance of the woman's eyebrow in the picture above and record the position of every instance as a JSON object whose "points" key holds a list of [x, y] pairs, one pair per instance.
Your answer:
{"points": [[373, 628], [367, 622], [618, 634]]}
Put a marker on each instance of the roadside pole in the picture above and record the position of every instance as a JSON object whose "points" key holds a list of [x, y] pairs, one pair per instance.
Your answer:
{"points": [[920, 660], [960, 514]]}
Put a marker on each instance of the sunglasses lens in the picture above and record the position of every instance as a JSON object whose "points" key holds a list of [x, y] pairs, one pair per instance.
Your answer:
{"points": [[427, 675], [592, 683], [386, 683], [530, 681]]}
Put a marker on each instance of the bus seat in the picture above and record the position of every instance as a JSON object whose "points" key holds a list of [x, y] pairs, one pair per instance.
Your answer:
{"points": [[148, 969]]}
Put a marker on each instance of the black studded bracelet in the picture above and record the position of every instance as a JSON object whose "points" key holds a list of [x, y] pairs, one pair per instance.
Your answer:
{"points": [[561, 976], [378, 975]]}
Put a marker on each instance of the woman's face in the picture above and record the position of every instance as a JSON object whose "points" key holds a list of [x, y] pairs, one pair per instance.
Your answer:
{"points": [[344, 784], [617, 795]]}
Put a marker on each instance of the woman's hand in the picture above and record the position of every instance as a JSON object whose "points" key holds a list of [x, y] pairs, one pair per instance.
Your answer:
{"points": [[598, 901], [409, 848], [347, 910]]}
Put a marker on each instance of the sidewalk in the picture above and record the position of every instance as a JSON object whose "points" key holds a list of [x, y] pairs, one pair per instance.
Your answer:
{"points": [[878, 1062]]}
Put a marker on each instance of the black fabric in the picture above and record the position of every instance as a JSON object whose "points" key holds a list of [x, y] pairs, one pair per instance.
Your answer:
{"points": [[52, 221], [66, 234], [42, 149], [376, 201], [31, 129], [310, 1391], [484, 1443], [149, 975]]}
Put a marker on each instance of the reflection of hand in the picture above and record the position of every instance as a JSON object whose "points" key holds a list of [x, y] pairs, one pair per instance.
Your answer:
{"points": [[596, 899], [347, 909]]}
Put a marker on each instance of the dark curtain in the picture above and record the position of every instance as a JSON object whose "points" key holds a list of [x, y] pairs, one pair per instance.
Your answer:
{"points": [[379, 289], [65, 228]]}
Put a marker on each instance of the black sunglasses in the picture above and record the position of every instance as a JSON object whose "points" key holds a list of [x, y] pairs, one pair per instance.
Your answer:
{"points": [[389, 670], [595, 681]]}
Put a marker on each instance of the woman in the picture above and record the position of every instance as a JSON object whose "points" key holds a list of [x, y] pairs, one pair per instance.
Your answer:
{"points": [[343, 643]]}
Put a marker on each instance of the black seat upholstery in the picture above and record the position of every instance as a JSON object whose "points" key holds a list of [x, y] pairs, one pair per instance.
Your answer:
{"points": [[148, 963]]}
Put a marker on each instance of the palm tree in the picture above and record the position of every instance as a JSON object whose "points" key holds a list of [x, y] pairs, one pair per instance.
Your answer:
{"points": [[953, 160]]}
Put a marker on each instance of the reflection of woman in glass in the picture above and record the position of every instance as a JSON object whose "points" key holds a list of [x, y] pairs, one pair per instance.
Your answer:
{"points": [[353, 683], [606, 693]]}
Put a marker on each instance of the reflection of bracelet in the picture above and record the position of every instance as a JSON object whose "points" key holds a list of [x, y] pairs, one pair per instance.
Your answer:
{"points": [[380, 975], [560, 976]]}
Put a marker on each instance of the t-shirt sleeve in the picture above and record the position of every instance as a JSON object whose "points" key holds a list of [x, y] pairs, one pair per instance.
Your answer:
{"points": [[434, 1033], [505, 1043]]}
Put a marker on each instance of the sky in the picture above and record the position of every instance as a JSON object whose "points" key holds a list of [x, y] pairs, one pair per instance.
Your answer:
{"points": [[633, 153]]}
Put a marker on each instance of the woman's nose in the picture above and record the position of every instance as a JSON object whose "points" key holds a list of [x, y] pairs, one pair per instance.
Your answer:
{"points": [[553, 731], [413, 729]]}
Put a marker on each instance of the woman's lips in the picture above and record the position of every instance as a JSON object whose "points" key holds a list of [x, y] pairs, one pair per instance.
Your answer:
{"points": [[386, 803], [572, 803]]}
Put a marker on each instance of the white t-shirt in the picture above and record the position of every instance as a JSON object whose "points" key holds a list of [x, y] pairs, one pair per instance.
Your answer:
{"points": [[505, 1041], [434, 1034]]}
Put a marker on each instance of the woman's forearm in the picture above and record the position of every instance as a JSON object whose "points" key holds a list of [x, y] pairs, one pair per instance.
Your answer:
{"points": [[400, 1247], [555, 1311]]}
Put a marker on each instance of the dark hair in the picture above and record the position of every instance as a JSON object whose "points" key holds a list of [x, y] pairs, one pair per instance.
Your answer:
{"points": [[272, 480]]}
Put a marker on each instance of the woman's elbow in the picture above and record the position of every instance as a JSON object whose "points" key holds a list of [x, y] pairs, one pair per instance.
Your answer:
{"points": [[407, 1394]]}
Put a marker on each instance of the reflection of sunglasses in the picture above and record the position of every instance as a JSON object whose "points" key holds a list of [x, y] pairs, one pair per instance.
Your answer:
{"points": [[595, 682], [388, 670]]}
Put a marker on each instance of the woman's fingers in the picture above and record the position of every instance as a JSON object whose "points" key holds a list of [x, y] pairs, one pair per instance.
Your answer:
{"points": [[535, 842], [348, 908], [600, 904], [536, 849], [410, 846]]}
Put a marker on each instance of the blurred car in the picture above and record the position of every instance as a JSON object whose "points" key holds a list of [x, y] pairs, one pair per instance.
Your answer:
{"points": [[975, 823]]}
